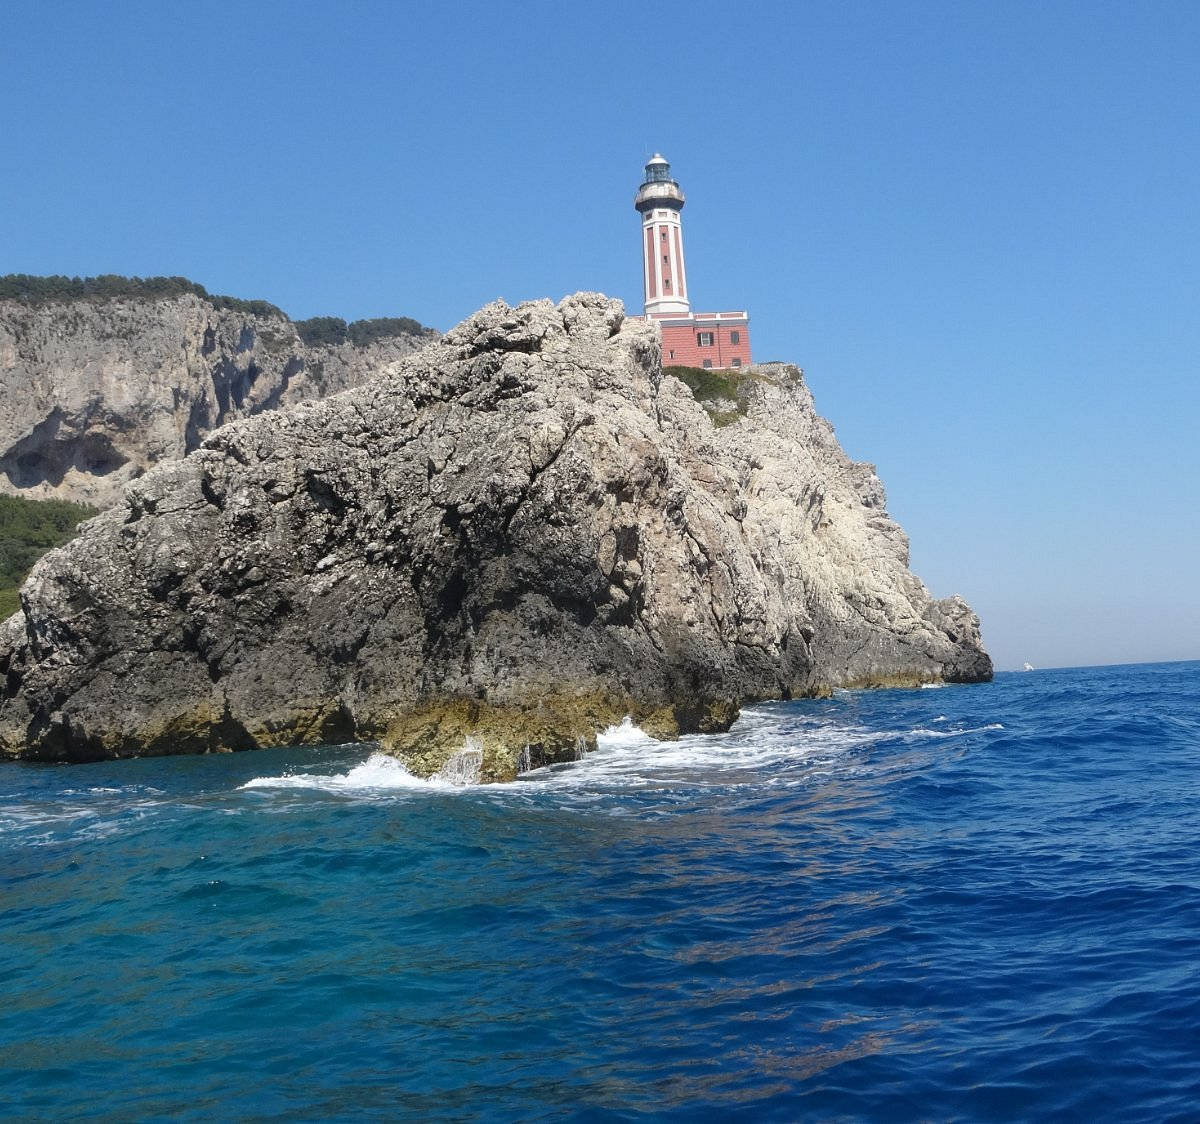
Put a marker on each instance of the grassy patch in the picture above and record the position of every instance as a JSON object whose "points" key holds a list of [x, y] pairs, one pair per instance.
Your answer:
{"points": [[712, 388], [29, 528], [708, 385]]}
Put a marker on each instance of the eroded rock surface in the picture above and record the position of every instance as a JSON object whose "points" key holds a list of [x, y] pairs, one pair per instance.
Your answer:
{"points": [[97, 392], [515, 536]]}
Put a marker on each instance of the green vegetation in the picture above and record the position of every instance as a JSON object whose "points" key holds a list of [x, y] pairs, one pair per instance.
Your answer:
{"points": [[708, 385], [27, 289], [323, 330], [111, 286], [29, 528], [711, 388], [363, 332], [335, 330]]}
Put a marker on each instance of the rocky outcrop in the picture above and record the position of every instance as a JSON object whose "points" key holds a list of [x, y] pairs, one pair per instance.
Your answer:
{"points": [[511, 539], [96, 392]]}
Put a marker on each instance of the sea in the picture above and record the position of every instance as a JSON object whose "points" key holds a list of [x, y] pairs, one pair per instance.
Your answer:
{"points": [[963, 903]]}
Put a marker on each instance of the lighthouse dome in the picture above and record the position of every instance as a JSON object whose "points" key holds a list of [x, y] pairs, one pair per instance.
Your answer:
{"points": [[657, 169], [658, 188]]}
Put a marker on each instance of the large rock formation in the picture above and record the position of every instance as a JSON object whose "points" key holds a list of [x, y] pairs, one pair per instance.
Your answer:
{"points": [[96, 392], [505, 542]]}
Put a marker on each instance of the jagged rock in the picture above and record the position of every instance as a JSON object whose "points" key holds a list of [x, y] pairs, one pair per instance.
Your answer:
{"points": [[517, 535], [97, 392]]}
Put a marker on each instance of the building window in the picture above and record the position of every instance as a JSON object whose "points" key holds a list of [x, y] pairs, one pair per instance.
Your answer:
{"points": [[665, 259], [672, 355], [708, 364], [666, 282], [735, 337], [704, 339], [735, 362], [664, 236]]}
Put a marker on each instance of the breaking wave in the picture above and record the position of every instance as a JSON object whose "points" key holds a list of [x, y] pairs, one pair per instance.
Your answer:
{"points": [[767, 744], [380, 772]]}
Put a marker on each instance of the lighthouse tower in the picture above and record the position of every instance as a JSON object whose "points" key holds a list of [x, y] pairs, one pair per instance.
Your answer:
{"points": [[689, 339], [659, 200]]}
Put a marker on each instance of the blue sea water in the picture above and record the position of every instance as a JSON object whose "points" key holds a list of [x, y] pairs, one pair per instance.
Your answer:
{"points": [[963, 903]]}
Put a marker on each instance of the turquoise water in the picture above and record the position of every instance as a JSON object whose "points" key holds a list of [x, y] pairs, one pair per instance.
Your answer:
{"points": [[971, 902]]}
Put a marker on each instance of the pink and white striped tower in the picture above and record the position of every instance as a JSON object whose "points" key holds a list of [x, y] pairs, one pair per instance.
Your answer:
{"points": [[659, 200], [689, 339]]}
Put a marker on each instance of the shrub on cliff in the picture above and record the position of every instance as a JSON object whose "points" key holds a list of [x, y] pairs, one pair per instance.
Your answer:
{"points": [[323, 330], [29, 528], [334, 330], [363, 332]]}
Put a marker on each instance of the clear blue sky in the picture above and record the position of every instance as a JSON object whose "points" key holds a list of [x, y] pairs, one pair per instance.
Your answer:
{"points": [[975, 225]]}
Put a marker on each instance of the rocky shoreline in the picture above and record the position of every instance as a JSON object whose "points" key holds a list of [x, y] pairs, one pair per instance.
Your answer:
{"points": [[502, 543]]}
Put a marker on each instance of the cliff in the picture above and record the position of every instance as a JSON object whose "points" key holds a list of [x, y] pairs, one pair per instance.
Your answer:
{"points": [[505, 542], [98, 388]]}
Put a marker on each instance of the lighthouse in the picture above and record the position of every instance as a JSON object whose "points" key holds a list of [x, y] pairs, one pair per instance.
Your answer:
{"points": [[701, 339], [659, 201]]}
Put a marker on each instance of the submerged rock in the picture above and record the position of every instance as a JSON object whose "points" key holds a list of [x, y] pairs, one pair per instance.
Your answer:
{"points": [[506, 542]]}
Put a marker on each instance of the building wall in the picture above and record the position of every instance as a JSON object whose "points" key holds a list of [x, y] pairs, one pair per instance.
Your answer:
{"points": [[680, 346]]}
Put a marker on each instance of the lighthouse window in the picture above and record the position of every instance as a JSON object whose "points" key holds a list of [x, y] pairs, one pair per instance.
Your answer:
{"points": [[735, 337], [704, 339], [735, 361], [708, 364]]}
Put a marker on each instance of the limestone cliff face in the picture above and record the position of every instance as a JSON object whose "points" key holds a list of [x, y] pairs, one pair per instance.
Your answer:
{"points": [[97, 392], [507, 540]]}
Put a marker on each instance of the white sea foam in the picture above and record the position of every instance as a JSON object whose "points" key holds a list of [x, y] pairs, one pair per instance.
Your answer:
{"points": [[924, 732], [626, 733], [463, 767], [378, 772], [765, 743], [83, 814]]}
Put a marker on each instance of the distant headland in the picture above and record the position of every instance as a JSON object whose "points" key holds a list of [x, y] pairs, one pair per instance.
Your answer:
{"points": [[105, 377]]}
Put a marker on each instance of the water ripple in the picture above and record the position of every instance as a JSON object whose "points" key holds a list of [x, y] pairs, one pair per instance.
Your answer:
{"points": [[964, 903]]}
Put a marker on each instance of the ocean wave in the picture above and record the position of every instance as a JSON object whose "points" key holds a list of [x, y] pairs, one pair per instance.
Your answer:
{"points": [[982, 902], [378, 773], [924, 732], [625, 733], [762, 744]]}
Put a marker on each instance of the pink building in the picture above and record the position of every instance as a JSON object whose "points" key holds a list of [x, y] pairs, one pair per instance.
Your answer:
{"points": [[690, 339]]}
